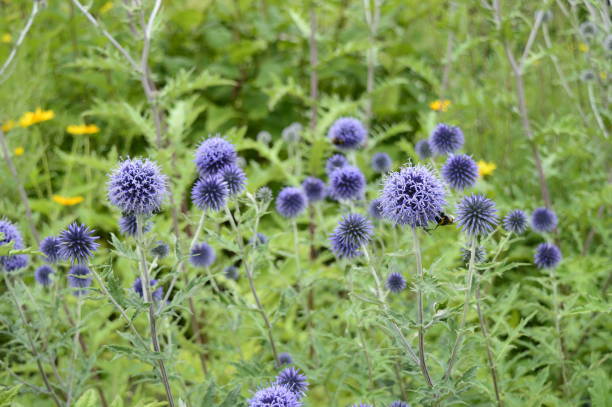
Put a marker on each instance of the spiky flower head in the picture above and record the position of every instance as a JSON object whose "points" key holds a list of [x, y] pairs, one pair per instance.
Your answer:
{"points": [[128, 225], [412, 196], [292, 133], [543, 220], [516, 222], [231, 272], [214, 155], [587, 75], [347, 183], [460, 171], [43, 274], [160, 249], [263, 195], [399, 404], [157, 294], [202, 255], [396, 282], [347, 133], [314, 188], [480, 255], [294, 380], [79, 279], [78, 243], [275, 396], [446, 139], [51, 247], [235, 179], [423, 149], [375, 209], [353, 232], [258, 240], [285, 358], [10, 233], [210, 193], [381, 162], [547, 256], [264, 137], [334, 162], [137, 186], [291, 202], [588, 29], [476, 215]]}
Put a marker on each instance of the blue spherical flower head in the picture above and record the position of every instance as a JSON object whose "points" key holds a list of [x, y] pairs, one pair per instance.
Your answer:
{"points": [[399, 404], [347, 183], [516, 222], [347, 133], [210, 193], [375, 209], [396, 282], [235, 179], [160, 249], [137, 187], [381, 162], [202, 255], [314, 189], [412, 196], [460, 171], [275, 396], [78, 243], [547, 256], [292, 379], [258, 240], [128, 225], [291, 202], [50, 247], [543, 220], [43, 274], [285, 358], [10, 233], [79, 279], [480, 255], [423, 149], [231, 272], [334, 162], [446, 139], [476, 215], [353, 232], [214, 155], [157, 294]]}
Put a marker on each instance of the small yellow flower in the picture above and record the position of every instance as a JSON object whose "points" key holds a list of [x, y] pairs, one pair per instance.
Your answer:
{"points": [[6, 127], [7, 38], [79, 129], [485, 168], [603, 76], [67, 200], [440, 105], [19, 151], [106, 7], [582, 47], [37, 116]]}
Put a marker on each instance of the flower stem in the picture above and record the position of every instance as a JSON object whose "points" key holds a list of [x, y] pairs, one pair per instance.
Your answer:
{"points": [[562, 351]]}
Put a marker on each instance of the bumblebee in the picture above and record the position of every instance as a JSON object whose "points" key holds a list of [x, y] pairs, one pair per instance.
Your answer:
{"points": [[442, 219], [337, 141]]}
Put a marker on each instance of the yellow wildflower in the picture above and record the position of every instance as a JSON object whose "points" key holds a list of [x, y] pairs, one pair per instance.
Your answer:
{"points": [[440, 105], [485, 168], [79, 129], [7, 126], [37, 116], [19, 151], [582, 47], [6, 38], [603, 76], [67, 200], [106, 7]]}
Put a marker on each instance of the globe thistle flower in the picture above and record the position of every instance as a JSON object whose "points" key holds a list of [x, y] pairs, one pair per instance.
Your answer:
{"points": [[480, 255], [292, 379], [275, 396], [79, 279], [210, 193], [375, 209], [263, 195], [353, 232], [516, 222], [423, 149], [588, 29], [258, 240], [547, 256], [396, 282], [460, 171], [587, 75], [446, 139], [314, 189], [334, 162], [50, 247], [78, 243], [214, 155], [290, 202], [157, 294], [347, 133], [347, 183], [202, 255], [399, 404], [160, 249], [231, 272], [381, 162], [292, 133], [285, 358], [476, 215], [234, 178], [543, 220], [43, 274], [137, 187], [264, 137], [128, 225], [10, 233], [412, 196]]}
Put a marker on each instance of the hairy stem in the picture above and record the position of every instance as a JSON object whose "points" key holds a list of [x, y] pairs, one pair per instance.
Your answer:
{"points": [[558, 329], [22, 35], [314, 62]]}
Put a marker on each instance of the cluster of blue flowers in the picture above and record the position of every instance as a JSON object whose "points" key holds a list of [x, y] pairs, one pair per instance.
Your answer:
{"points": [[287, 390]]}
